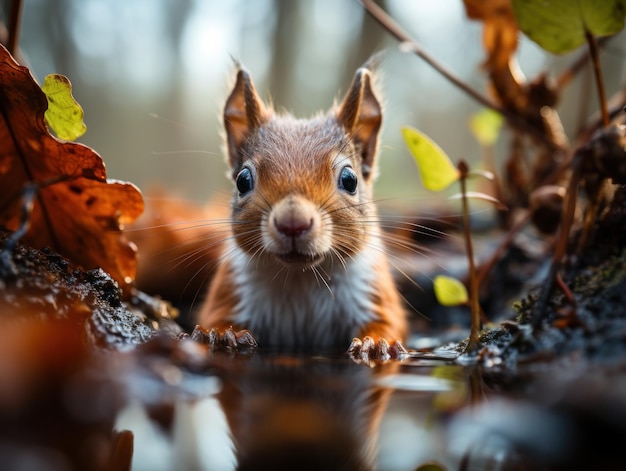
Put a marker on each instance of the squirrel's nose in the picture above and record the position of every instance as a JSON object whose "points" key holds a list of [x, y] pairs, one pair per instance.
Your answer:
{"points": [[293, 225]]}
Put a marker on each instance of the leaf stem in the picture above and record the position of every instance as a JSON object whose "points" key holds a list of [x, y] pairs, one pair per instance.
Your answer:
{"points": [[469, 249], [567, 219], [597, 70], [568, 74]]}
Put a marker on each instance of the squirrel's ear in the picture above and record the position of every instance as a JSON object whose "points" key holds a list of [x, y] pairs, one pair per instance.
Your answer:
{"points": [[360, 114], [243, 114]]}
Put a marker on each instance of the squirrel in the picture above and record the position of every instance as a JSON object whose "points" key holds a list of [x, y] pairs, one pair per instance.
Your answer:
{"points": [[305, 269]]}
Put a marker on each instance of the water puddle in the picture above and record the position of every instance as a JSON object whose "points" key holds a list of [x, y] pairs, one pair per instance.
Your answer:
{"points": [[279, 412]]}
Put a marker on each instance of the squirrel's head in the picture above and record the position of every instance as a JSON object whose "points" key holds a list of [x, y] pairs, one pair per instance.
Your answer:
{"points": [[303, 188]]}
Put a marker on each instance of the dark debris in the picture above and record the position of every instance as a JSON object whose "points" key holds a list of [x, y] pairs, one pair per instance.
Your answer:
{"points": [[46, 286]]}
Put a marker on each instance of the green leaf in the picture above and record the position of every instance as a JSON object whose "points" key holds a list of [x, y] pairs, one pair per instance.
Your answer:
{"points": [[486, 125], [559, 26], [435, 166], [449, 291], [64, 115]]}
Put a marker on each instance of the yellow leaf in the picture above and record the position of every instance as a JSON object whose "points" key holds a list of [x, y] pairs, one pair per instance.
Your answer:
{"points": [[437, 171], [449, 291], [485, 125], [64, 115]]}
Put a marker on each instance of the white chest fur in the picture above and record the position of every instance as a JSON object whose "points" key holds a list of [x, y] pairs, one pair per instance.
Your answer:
{"points": [[294, 309]]}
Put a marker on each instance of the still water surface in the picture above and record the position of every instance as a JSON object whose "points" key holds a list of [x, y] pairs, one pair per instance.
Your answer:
{"points": [[265, 411]]}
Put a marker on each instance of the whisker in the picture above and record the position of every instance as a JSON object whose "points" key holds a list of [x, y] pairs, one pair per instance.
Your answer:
{"points": [[203, 282], [393, 258], [413, 308], [320, 276], [348, 141], [198, 223]]}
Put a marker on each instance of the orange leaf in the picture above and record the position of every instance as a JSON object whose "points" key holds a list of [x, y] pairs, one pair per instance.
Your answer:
{"points": [[499, 29], [83, 215], [500, 42]]}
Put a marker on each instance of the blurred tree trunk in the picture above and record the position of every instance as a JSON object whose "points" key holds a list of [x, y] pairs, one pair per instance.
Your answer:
{"points": [[284, 45], [59, 25], [370, 39]]}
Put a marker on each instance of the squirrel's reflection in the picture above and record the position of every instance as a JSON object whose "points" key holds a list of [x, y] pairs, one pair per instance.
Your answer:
{"points": [[303, 413]]}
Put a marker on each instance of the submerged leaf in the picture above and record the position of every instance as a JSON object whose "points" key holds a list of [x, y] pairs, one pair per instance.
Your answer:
{"points": [[450, 291], [486, 125], [80, 216], [559, 26], [435, 166], [64, 115]]}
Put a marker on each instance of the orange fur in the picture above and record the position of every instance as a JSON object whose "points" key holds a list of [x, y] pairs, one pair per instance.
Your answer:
{"points": [[306, 268]]}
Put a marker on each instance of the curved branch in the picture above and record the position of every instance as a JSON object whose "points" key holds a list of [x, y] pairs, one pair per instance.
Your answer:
{"points": [[396, 30]]}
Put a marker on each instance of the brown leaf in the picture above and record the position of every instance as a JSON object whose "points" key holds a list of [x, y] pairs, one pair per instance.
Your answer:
{"points": [[82, 215], [500, 43], [499, 29]]}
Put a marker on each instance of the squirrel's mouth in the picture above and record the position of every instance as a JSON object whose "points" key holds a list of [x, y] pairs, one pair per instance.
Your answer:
{"points": [[298, 258]]}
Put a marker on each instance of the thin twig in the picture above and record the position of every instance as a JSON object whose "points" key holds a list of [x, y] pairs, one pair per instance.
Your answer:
{"points": [[597, 70], [396, 30], [30, 193], [567, 219], [7, 267], [568, 74], [502, 246], [616, 106], [15, 15], [469, 249]]}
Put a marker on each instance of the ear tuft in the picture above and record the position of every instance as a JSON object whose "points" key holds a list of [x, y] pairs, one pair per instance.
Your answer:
{"points": [[360, 115], [244, 113]]}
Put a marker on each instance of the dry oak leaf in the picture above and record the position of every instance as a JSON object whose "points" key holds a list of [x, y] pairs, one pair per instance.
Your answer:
{"points": [[500, 43], [83, 214], [508, 85], [499, 29]]}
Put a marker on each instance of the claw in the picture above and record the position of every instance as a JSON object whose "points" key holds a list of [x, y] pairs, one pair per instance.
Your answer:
{"points": [[355, 346], [368, 347], [214, 337], [245, 339], [200, 335], [381, 352], [367, 351], [228, 340], [397, 350]]}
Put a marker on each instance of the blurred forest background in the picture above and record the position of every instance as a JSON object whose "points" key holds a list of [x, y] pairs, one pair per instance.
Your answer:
{"points": [[152, 76]]}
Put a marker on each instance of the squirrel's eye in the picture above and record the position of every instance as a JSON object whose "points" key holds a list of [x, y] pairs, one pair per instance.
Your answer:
{"points": [[347, 180], [244, 181]]}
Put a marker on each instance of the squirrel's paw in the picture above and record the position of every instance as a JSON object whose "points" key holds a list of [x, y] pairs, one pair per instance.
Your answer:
{"points": [[226, 340], [367, 350]]}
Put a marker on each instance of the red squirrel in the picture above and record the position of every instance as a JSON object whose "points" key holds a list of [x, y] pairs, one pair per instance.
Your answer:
{"points": [[305, 268]]}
